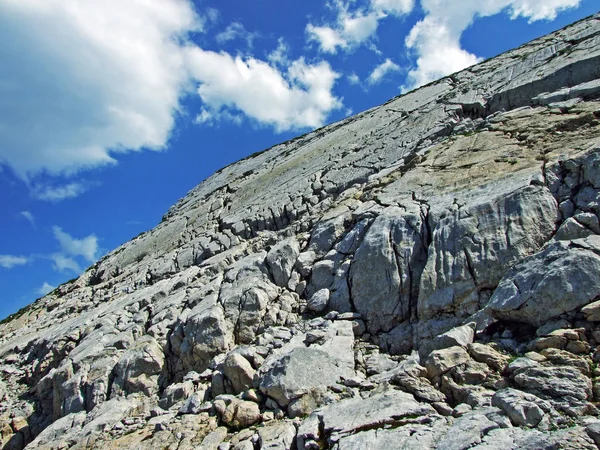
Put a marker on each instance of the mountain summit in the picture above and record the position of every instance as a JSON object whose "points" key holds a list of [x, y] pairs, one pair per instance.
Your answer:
{"points": [[425, 274]]}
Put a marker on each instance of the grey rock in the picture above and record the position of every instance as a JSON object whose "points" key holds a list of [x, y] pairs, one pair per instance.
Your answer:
{"points": [[214, 438], [279, 436], [297, 372], [319, 300], [236, 413], [419, 216], [460, 336], [593, 431], [467, 432], [413, 436], [559, 279], [554, 382], [441, 361], [386, 265], [346, 417], [175, 393], [195, 404], [139, 368], [239, 372], [281, 260], [486, 354], [523, 409]]}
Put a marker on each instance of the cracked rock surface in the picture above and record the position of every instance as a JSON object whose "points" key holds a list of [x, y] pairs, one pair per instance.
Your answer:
{"points": [[424, 274]]}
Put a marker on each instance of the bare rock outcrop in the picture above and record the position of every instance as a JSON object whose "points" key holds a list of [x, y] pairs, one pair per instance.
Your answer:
{"points": [[424, 274]]}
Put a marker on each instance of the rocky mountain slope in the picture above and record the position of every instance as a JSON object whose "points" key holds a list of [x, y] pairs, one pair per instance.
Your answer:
{"points": [[425, 274]]}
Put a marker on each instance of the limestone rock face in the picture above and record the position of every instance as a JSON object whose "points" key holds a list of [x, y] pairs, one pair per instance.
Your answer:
{"points": [[425, 274]]}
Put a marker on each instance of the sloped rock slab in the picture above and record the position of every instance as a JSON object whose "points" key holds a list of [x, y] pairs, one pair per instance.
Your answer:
{"points": [[334, 422]]}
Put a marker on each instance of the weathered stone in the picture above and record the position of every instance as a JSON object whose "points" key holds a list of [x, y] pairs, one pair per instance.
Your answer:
{"points": [[348, 416], [139, 368], [386, 265], [175, 393], [592, 311], [467, 431], [281, 259], [319, 300], [458, 202], [279, 436], [236, 413], [297, 372], [486, 354], [523, 409], [239, 372], [441, 361], [554, 382], [560, 278]]}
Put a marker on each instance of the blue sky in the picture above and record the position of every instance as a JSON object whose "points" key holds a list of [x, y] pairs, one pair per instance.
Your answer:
{"points": [[111, 111]]}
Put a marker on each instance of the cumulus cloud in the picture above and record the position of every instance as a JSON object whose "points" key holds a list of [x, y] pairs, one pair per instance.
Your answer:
{"points": [[353, 79], [279, 56], [235, 31], [45, 289], [57, 193], [10, 261], [299, 97], [379, 72], [435, 40], [62, 263], [83, 81], [86, 247], [353, 27], [394, 7], [29, 217]]}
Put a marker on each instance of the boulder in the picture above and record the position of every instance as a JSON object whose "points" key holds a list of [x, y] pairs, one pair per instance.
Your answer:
{"points": [[138, 368], [236, 413], [386, 265], [467, 431], [554, 382], [459, 336], [318, 301], [524, 410], [299, 371], [440, 361], [592, 311], [239, 372], [349, 416], [486, 354], [281, 259], [560, 278], [279, 436], [175, 393]]}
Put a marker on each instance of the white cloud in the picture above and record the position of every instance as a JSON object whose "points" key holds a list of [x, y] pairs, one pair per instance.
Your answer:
{"points": [[350, 30], [297, 98], [353, 79], [212, 15], [355, 27], [207, 117], [236, 30], [86, 247], [63, 263], [279, 57], [436, 39], [394, 7], [379, 72], [85, 80], [29, 217], [45, 289], [10, 261], [57, 193]]}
